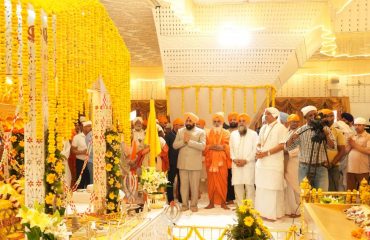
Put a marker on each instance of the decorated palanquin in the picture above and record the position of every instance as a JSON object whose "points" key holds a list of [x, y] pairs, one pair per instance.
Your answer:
{"points": [[335, 215], [11, 199]]}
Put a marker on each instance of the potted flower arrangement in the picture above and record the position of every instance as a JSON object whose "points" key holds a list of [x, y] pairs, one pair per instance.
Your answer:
{"points": [[39, 225], [153, 182], [249, 226]]}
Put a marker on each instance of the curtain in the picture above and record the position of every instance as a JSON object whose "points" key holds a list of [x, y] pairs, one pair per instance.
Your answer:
{"points": [[142, 107], [294, 104]]}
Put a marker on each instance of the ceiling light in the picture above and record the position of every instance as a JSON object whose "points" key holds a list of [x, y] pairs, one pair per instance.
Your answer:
{"points": [[233, 36]]}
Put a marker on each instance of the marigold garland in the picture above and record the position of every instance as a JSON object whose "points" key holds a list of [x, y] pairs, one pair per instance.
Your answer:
{"points": [[16, 161], [2, 47], [54, 175], [114, 177], [83, 46], [15, 48], [25, 63], [269, 89]]}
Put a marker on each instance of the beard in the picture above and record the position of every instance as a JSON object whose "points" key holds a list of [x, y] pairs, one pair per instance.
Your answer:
{"points": [[233, 124], [217, 129], [189, 126], [242, 130]]}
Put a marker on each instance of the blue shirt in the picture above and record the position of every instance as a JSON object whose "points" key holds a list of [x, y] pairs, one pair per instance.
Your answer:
{"points": [[89, 142]]}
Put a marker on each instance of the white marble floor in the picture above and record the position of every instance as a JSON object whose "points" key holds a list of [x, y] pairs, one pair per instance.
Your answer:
{"points": [[219, 217]]}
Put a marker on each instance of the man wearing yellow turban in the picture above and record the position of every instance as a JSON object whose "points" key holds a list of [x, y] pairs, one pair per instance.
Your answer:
{"points": [[217, 157], [291, 172], [191, 142], [336, 154]]}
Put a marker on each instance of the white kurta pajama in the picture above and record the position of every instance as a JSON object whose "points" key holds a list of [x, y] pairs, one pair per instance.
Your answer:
{"points": [[292, 189], [244, 148], [270, 173]]}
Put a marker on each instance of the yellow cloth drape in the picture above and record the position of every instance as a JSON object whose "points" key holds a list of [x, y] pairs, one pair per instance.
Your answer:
{"points": [[151, 137]]}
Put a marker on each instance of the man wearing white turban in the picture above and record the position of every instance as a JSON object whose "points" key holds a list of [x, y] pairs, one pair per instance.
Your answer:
{"points": [[270, 167], [312, 157], [359, 155]]}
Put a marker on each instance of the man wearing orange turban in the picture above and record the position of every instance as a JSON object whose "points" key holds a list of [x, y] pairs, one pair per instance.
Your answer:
{"points": [[291, 171], [217, 159], [201, 123], [173, 156], [233, 123], [232, 118], [243, 147], [191, 142]]}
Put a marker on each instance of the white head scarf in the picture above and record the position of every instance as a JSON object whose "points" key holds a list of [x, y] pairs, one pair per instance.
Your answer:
{"points": [[274, 111], [308, 109]]}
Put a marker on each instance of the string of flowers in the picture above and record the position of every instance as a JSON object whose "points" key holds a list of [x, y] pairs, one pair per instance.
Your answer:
{"points": [[112, 167], [54, 175], [16, 166], [25, 61], [2, 46], [15, 48]]}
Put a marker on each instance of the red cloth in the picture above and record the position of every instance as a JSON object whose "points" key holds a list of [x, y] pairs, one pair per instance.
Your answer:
{"points": [[164, 157]]}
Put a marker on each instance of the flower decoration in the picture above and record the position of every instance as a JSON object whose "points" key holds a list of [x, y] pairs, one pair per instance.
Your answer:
{"points": [[16, 166], [39, 225], [152, 180], [54, 175], [250, 225], [112, 167]]}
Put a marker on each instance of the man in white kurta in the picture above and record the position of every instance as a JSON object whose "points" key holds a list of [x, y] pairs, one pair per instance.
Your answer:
{"points": [[292, 189], [243, 146], [270, 167]]}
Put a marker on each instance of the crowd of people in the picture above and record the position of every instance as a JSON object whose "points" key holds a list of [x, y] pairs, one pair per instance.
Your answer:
{"points": [[265, 165]]}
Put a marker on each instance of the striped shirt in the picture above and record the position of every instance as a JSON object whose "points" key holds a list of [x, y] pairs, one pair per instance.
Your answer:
{"points": [[305, 144]]}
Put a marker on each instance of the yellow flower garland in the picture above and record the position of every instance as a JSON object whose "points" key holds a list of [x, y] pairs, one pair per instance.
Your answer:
{"points": [[15, 48], [270, 95], [38, 75], [2, 48], [25, 63]]}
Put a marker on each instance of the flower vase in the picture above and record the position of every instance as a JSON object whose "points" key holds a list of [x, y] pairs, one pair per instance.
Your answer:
{"points": [[156, 200]]}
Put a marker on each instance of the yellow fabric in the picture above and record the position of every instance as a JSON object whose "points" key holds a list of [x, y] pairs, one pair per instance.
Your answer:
{"points": [[232, 115], [326, 111], [245, 117], [293, 117], [151, 137], [194, 118], [340, 139], [218, 117], [178, 121]]}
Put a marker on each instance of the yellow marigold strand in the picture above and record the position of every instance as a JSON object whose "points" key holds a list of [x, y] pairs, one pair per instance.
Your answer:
{"points": [[25, 63]]}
